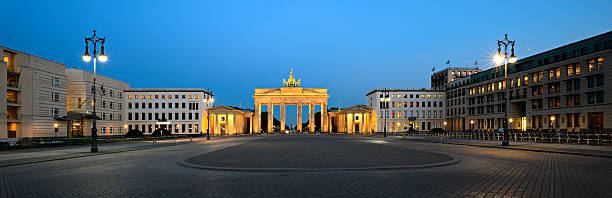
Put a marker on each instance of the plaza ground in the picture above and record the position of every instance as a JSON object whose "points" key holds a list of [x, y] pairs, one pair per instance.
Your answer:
{"points": [[155, 172]]}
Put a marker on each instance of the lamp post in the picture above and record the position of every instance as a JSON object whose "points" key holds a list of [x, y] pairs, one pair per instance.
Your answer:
{"points": [[94, 40], [499, 58], [208, 101], [552, 120], [385, 105]]}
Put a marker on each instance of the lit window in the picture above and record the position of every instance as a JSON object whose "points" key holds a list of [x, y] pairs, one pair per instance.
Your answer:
{"points": [[428, 95], [163, 96], [169, 96], [150, 96], [599, 63], [130, 96], [197, 96], [143, 97], [156, 96], [422, 95], [190, 96], [440, 96]]}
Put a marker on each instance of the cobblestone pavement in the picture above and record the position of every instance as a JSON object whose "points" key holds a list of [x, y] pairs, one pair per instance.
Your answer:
{"points": [[315, 152], [483, 172], [604, 150]]}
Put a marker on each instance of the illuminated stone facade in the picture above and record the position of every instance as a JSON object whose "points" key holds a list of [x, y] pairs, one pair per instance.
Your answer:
{"points": [[291, 94], [230, 120], [355, 119]]}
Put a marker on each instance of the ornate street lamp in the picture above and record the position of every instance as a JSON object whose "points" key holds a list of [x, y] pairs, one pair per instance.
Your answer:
{"points": [[499, 58], [94, 40]]}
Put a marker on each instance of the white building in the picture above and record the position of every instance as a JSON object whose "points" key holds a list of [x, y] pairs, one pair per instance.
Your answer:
{"points": [[407, 109], [109, 109], [181, 111], [33, 91]]}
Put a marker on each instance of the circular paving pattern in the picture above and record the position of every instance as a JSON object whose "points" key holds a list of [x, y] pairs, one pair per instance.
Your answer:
{"points": [[308, 153]]}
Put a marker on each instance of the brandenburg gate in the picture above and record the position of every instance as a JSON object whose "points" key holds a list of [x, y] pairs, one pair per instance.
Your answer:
{"points": [[291, 93]]}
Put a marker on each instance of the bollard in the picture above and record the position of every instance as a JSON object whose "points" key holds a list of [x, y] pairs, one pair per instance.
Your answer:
{"points": [[153, 142], [190, 139]]}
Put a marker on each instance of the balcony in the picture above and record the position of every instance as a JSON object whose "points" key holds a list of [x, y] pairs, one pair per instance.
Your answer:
{"points": [[13, 117], [12, 100], [12, 85]]}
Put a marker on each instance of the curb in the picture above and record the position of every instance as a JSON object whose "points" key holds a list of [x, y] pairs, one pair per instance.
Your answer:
{"points": [[79, 155], [511, 148], [382, 168]]}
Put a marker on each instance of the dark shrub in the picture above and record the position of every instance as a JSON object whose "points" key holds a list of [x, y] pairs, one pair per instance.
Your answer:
{"points": [[161, 132], [437, 130], [134, 133]]}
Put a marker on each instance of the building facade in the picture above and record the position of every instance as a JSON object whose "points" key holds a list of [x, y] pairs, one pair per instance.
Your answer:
{"points": [[226, 120], [441, 79], [35, 90], [110, 108], [181, 111], [407, 109], [355, 119], [563, 89]]}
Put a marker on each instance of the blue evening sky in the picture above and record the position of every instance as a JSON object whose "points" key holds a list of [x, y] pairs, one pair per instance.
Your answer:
{"points": [[350, 47]]}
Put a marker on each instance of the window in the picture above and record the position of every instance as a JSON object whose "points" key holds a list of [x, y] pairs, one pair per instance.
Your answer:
{"points": [[600, 80], [156, 104], [130, 116], [599, 63], [130, 105], [103, 104], [599, 96], [103, 116], [129, 96], [56, 97], [55, 81], [577, 100], [55, 112], [591, 97], [570, 70], [591, 81]]}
